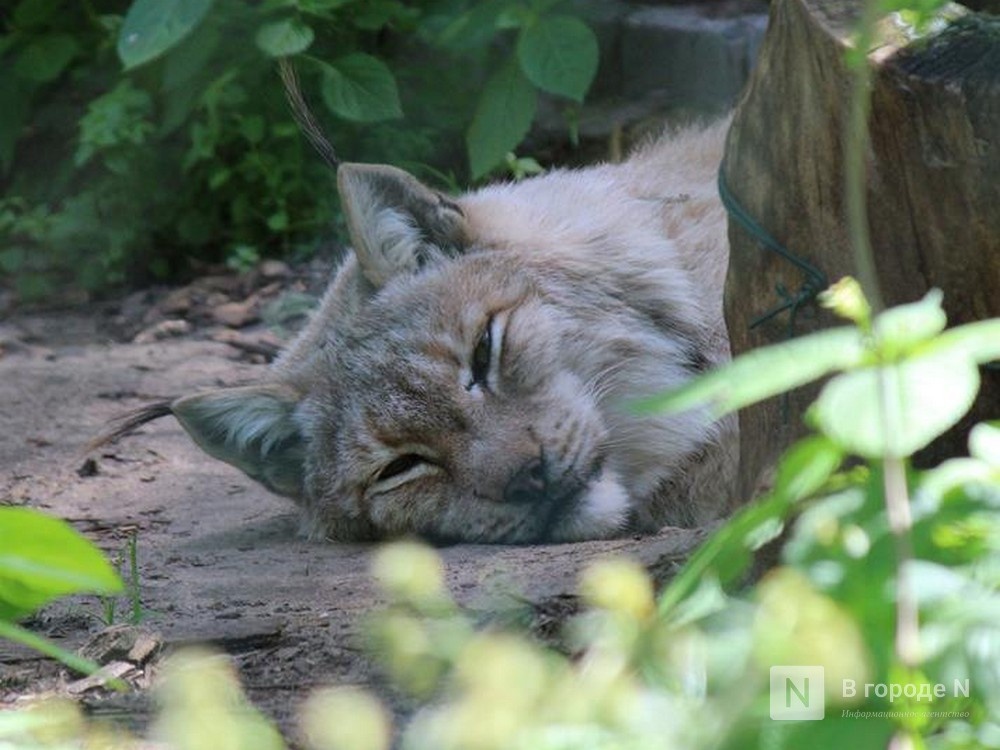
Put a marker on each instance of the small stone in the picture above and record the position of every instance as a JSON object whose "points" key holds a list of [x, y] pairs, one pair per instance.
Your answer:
{"points": [[262, 343], [121, 643], [236, 314], [116, 670], [178, 301], [88, 468], [225, 283], [274, 269], [146, 647]]}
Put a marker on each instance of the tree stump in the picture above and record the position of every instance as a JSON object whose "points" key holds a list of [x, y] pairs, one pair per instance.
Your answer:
{"points": [[933, 188]]}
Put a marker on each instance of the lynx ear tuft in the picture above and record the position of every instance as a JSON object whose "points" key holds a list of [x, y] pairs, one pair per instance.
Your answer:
{"points": [[397, 223], [253, 428]]}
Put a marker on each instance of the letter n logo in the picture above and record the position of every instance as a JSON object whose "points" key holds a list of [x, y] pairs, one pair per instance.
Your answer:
{"points": [[797, 693]]}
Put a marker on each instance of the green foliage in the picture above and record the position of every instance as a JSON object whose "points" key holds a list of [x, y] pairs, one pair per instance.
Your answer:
{"points": [[283, 38], [502, 118], [554, 53], [889, 364], [787, 366], [113, 122], [128, 562], [151, 132], [204, 708], [559, 54], [361, 88], [152, 27], [41, 559], [911, 384], [850, 411]]}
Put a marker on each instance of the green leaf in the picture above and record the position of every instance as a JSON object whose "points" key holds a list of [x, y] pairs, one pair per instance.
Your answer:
{"points": [[374, 15], [252, 128], [924, 396], [42, 558], [917, 14], [559, 54], [901, 328], [953, 473], [151, 27], [34, 286], [361, 88], [471, 30], [278, 221], [12, 259], [46, 57], [934, 583], [705, 600], [806, 467], [189, 59], [13, 115], [728, 553], [282, 38], [321, 8], [17, 634], [503, 115], [984, 443], [219, 178], [979, 341], [763, 373], [35, 13], [820, 525]]}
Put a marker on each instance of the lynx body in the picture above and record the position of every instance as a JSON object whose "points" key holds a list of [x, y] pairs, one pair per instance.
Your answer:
{"points": [[470, 372]]}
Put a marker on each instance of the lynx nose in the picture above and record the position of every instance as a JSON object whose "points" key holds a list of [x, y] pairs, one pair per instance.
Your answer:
{"points": [[528, 485]]}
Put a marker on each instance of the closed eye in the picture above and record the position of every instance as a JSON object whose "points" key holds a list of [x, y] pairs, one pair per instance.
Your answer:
{"points": [[399, 466]]}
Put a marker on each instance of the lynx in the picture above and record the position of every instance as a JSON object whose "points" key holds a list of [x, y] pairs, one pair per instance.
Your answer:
{"points": [[471, 372]]}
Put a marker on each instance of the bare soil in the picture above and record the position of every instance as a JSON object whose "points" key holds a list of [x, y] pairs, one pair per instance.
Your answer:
{"points": [[219, 560]]}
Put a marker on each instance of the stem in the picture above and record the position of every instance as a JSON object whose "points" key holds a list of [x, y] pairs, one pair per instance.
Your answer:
{"points": [[133, 565], [16, 633], [907, 646], [855, 154], [897, 503]]}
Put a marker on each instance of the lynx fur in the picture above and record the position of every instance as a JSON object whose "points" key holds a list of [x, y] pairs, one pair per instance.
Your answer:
{"points": [[471, 371]]}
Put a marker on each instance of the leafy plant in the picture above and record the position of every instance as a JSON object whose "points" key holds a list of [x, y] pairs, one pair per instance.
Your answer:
{"points": [[158, 131], [41, 559], [109, 604]]}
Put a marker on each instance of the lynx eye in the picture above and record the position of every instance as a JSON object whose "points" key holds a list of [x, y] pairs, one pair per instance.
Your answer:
{"points": [[399, 466], [482, 355]]}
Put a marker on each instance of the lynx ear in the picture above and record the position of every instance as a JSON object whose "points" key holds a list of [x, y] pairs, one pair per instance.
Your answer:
{"points": [[396, 222], [253, 428]]}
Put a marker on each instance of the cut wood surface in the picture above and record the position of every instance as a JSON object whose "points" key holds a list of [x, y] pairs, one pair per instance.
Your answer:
{"points": [[933, 187]]}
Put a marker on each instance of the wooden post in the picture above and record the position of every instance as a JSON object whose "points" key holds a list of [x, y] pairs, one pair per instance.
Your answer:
{"points": [[933, 188]]}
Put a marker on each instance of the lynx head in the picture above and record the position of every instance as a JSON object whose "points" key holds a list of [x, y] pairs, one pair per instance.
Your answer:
{"points": [[447, 387]]}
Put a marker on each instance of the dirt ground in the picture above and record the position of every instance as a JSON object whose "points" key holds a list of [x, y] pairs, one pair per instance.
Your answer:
{"points": [[219, 560]]}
